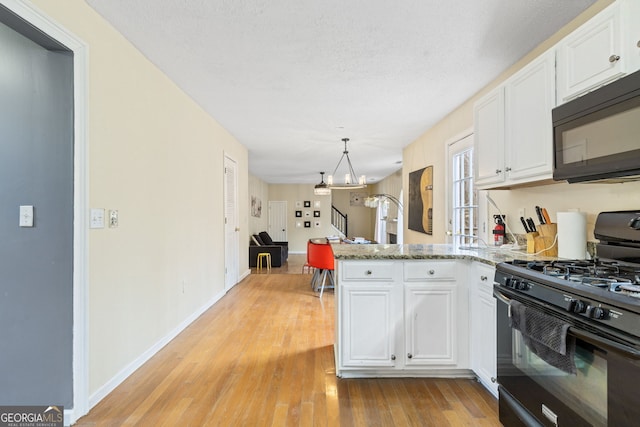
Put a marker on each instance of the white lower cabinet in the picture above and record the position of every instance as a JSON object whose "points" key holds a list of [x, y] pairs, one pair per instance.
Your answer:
{"points": [[483, 325], [369, 321], [430, 324], [414, 324]]}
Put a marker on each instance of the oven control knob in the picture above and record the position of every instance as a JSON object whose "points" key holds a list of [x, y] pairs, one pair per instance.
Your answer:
{"points": [[512, 282], [522, 286], [578, 306], [598, 313]]}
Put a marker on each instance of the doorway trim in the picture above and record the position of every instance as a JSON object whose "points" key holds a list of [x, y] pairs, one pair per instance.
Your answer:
{"points": [[231, 224], [54, 30]]}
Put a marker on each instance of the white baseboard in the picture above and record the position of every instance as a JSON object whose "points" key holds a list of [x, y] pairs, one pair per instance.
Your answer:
{"points": [[244, 275], [110, 385]]}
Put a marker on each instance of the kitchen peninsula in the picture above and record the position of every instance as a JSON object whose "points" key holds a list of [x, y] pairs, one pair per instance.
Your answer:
{"points": [[415, 311]]}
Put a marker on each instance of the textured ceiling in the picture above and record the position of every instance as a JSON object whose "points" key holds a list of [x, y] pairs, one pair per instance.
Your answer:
{"points": [[290, 78]]}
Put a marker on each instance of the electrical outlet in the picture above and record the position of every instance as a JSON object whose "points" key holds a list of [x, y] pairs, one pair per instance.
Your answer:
{"points": [[113, 218], [522, 212]]}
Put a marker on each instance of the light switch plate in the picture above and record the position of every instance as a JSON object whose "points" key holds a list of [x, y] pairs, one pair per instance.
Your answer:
{"points": [[26, 216], [97, 218]]}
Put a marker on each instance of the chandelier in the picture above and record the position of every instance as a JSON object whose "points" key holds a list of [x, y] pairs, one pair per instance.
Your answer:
{"points": [[322, 189], [350, 178]]}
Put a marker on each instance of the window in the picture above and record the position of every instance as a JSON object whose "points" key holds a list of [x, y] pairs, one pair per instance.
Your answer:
{"points": [[464, 209]]}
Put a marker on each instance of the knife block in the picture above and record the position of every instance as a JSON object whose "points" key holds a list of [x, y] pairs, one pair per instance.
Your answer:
{"points": [[546, 240], [531, 242]]}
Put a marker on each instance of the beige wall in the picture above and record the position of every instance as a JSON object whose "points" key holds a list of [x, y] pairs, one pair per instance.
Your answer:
{"points": [[295, 194], [359, 217], [158, 158], [430, 149]]}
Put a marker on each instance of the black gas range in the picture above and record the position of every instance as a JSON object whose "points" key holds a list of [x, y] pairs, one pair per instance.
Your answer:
{"points": [[569, 333], [603, 293]]}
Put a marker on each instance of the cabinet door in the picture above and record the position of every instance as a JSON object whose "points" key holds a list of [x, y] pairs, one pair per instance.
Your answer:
{"points": [[483, 325], [486, 363], [592, 55], [488, 115], [430, 324], [369, 316], [529, 98]]}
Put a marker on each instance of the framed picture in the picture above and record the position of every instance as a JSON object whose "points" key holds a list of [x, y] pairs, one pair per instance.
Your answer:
{"points": [[316, 214], [307, 214], [307, 224], [256, 207], [298, 214], [357, 198], [316, 204], [421, 200], [298, 204], [307, 203], [316, 224], [298, 224]]}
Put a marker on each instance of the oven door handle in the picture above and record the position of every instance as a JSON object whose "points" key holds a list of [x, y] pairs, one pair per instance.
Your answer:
{"points": [[502, 297], [605, 342]]}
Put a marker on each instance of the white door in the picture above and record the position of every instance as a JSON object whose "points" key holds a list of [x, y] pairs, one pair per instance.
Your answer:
{"points": [[278, 221], [231, 229]]}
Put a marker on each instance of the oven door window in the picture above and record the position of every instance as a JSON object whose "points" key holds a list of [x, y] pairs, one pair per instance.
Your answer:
{"points": [[585, 393]]}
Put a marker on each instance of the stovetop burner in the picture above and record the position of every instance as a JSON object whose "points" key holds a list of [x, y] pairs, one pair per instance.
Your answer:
{"points": [[604, 274]]}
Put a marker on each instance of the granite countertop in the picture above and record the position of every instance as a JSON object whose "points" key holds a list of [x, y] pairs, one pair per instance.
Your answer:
{"points": [[487, 255]]}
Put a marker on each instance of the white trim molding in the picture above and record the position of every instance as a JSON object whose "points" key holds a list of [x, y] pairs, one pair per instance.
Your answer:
{"points": [[38, 19]]}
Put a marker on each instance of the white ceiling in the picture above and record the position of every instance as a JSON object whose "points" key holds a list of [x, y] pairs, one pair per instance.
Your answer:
{"points": [[291, 78]]}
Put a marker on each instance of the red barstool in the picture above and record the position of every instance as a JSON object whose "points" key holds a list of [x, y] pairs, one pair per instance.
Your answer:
{"points": [[308, 265], [321, 259]]}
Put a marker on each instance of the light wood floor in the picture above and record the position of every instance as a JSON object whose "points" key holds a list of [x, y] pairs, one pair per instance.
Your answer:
{"points": [[263, 356]]}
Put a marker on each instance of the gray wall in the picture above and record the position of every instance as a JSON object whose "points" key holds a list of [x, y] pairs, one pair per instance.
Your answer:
{"points": [[36, 264]]}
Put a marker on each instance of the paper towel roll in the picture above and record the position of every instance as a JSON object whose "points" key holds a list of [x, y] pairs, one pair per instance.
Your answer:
{"points": [[572, 235]]}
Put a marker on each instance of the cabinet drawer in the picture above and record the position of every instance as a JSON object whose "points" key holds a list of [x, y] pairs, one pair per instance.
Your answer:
{"points": [[367, 271], [429, 270], [483, 278]]}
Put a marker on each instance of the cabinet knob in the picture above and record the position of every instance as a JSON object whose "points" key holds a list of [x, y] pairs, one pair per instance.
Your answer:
{"points": [[368, 272], [614, 58], [498, 171], [393, 357], [432, 272], [638, 44], [483, 278], [507, 169], [409, 355], [493, 379]]}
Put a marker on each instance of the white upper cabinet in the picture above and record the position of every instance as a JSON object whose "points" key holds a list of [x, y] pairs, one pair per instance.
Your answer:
{"points": [[529, 99], [600, 51], [513, 129], [488, 122]]}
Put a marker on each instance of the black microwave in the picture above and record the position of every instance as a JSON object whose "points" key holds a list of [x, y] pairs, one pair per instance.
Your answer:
{"points": [[597, 136]]}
